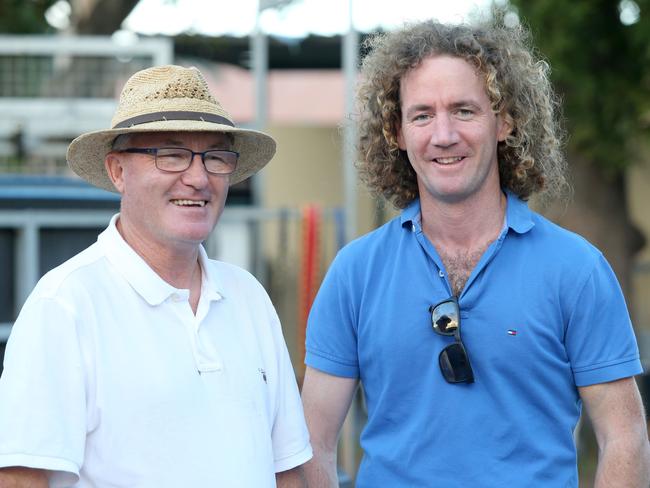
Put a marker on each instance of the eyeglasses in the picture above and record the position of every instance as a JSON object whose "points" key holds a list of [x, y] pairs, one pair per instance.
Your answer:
{"points": [[177, 159], [453, 359]]}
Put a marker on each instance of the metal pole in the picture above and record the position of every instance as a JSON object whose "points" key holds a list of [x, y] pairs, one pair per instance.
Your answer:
{"points": [[27, 261], [260, 65], [350, 56], [350, 50], [260, 62]]}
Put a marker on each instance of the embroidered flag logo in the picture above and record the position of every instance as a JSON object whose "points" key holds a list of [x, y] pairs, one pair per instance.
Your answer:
{"points": [[512, 332]]}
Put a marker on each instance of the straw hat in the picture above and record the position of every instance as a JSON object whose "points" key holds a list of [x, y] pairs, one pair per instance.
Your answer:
{"points": [[167, 98]]}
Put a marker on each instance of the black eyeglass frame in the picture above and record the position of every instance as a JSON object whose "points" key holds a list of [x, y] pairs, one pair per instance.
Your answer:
{"points": [[153, 151], [453, 359]]}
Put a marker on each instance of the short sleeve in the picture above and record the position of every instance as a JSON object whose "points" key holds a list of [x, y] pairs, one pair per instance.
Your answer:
{"points": [[331, 342], [600, 339], [290, 436], [42, 394]]}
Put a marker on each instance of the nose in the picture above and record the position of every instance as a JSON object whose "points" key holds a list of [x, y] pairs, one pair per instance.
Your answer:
{"points": [[444, 132], [196, 175]]}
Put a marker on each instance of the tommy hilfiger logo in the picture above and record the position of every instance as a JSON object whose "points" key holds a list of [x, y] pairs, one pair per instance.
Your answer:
{"points": [[512, 332]]}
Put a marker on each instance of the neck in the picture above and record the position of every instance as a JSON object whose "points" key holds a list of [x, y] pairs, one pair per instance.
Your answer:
{"points": [[463, 225], [178, 266]]}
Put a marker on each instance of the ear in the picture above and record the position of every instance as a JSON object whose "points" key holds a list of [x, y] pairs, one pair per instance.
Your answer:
{"points": [[505, 126], [400, 136], [115, 169]]}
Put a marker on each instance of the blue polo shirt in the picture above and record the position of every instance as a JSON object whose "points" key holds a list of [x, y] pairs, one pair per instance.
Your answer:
{"points": [[541, 314]]}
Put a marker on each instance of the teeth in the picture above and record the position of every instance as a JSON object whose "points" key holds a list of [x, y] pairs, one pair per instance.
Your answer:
{"points": [[189, 203], [448, 160]]}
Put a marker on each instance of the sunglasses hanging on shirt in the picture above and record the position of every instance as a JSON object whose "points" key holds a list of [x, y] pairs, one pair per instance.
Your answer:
{"points": [[453, 359]]}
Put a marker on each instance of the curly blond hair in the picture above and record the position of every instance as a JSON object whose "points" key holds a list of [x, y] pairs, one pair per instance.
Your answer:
{"points": [[517, 83]]}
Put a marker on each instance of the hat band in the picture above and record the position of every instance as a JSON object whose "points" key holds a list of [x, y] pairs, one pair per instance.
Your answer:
{"points": [[173, 115]]}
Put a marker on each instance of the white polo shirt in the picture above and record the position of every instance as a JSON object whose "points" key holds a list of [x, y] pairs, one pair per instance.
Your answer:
{"points": [[111, 380]]}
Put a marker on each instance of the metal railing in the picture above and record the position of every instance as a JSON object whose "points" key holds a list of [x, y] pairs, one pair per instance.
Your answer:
{"points": [[53, 88]]}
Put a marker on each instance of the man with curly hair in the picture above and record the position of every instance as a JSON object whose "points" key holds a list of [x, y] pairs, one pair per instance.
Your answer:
{"points": [[477, 327]]}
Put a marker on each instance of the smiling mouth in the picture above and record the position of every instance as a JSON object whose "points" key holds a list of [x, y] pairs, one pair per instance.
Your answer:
{"points": [[189, 203], [451, 160]]}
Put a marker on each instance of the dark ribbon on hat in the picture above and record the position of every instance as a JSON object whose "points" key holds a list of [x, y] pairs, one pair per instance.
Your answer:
{"points": [[173, 115]]}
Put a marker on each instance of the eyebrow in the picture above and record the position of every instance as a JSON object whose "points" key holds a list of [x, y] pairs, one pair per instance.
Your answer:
{"points": [[214, 145], [171, 142], [423, 107], [465, 103], [417, 108]]}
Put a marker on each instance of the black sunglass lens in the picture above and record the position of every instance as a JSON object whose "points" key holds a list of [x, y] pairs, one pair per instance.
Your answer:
{"points": [[454, 364]]}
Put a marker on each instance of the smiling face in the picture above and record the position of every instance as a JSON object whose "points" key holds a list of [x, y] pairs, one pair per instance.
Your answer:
{"points": [[168, 210], [449, 131]]}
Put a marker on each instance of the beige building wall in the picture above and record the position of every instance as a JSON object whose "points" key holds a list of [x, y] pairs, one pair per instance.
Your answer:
{"points": [[307, 170]]}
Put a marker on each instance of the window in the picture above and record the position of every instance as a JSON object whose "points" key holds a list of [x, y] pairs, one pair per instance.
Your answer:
{"points": [[56, 245], [7, 275]]}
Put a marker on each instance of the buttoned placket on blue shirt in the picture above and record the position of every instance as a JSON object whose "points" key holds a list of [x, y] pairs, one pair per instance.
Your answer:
{"points": [[430, 250]]}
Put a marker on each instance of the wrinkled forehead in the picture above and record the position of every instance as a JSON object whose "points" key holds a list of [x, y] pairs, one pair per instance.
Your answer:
{"points": [[181, 139]]}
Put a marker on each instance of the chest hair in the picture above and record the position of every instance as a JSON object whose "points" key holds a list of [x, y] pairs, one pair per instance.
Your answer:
{"points": [[459, 264]]}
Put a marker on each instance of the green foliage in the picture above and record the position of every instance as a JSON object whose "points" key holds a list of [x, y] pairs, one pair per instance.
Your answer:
{"points": [[600, 67], [24, 16]]}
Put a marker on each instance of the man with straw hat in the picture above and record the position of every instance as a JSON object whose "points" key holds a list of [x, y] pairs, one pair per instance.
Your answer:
{"points": [[141, 362]]}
